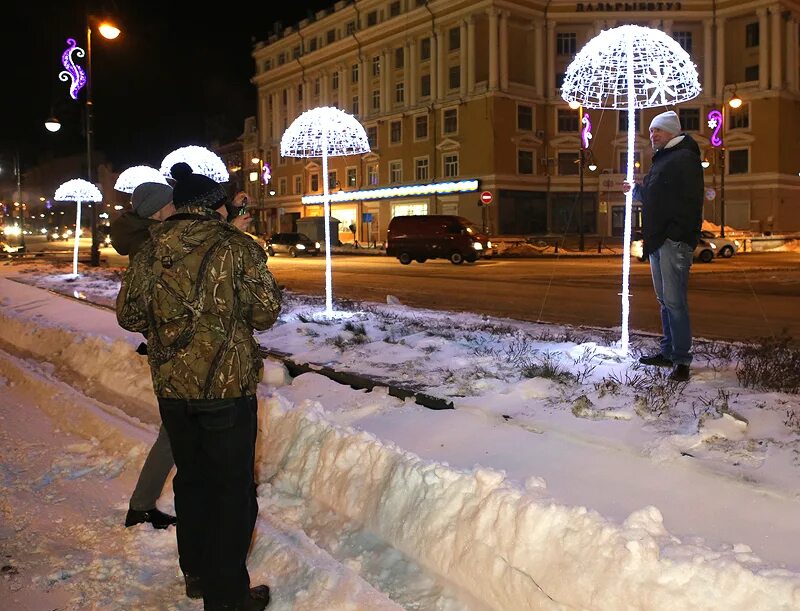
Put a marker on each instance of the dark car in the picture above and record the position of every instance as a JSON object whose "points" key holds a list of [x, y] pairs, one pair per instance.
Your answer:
{"points": [[294, 244]]}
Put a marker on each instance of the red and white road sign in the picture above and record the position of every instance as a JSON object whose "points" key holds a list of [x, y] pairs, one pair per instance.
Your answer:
{"points": [[486, 197]]}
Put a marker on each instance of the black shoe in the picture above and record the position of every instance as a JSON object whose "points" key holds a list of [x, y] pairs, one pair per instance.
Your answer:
{"points": [[193, 587], [680, 373], [157, 518], [659, 360], [255, 600]]}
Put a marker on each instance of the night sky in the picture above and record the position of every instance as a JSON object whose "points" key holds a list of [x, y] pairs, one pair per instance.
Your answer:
{"points": [[179, 74]]}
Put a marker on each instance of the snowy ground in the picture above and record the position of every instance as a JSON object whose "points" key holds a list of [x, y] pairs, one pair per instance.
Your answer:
{"points": [[565, 477]]}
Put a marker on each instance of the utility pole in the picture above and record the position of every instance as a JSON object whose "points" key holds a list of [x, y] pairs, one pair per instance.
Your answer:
{"points": [[18, 172]]}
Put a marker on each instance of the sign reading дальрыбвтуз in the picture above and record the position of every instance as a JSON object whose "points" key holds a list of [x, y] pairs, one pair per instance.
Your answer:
{"points": [[609, 7]]}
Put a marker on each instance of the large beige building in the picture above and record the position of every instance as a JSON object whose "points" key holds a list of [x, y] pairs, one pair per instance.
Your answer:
{"points": [[466, 92]]}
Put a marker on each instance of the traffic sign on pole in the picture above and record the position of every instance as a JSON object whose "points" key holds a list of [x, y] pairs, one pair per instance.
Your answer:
{"points": [[486, 197]]}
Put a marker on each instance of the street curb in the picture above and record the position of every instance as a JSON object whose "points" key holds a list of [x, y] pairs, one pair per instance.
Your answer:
{"points": [[354, 380]]}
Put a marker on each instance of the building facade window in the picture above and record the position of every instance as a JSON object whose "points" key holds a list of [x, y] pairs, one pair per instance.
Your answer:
{"points": [[354, 73], [738, 161], [372, 136], [690, 119], [421, 127], [355, 105], [376, 65], [454, 77], [751, 73], [524, 162], [524, 118], [623, 162], [454, 39], [298, 185], [399, 58], [622, 120], [282, 188], [567, 164], [376, 99], [567, 120], [372, 18], [314, 182], [372, 174], [394, 8], [352, 177], [739, 118], [751, 35], [450, 164], [330, 36], [312, 44], [684, 39], [425, 85], [396, 171], [350, 28], [335, 81], [424, 49], [396, 132], [400, 93], [450, 121], [566, 43], [421, 168]]}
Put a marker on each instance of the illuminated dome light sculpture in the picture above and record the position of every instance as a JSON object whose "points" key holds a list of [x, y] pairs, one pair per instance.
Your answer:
{"points": [[627, 68], [134, 176], [77, 190], [200, 159], [325, 132]]}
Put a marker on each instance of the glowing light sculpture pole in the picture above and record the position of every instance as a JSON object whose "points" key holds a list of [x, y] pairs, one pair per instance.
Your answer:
{"points": [[325, 132], [131, 178], [200, 159], [627, 68], [77, 190]]}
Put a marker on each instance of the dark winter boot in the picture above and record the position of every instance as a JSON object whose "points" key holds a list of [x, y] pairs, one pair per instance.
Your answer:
{"points": [[680, 373], [157, 518], [659, 360]]}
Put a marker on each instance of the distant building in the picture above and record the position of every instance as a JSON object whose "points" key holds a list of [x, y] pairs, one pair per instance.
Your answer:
{"points": [[464, 89]]}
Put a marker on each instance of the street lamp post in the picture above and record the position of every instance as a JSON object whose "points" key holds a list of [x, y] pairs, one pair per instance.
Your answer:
{"points": [[585, 129], [109, 31], [717, 121]]}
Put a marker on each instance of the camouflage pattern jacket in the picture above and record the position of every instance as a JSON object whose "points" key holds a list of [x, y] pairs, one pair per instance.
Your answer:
{"points": [[198, 288]]}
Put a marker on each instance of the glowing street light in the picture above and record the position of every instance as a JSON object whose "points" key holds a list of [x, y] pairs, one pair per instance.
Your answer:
{"points": [[78, 190], [653, 70]]}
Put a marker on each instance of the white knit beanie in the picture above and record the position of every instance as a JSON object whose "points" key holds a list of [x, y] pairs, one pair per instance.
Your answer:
{"points": [[667, 121]]}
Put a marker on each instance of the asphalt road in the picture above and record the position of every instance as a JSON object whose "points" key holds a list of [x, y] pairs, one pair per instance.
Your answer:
{"points": [[748, 296]]}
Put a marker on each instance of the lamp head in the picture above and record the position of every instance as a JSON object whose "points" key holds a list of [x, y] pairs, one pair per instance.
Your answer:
{"points": [[108, 30], [735, 101], [592, 167], [574, 104], [52, 124], [705, 163]]}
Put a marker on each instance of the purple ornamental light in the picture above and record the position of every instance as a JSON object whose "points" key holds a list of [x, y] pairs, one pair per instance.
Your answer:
{"points": [[72, 71], [586, 130], [266, 174], [715, 123]]}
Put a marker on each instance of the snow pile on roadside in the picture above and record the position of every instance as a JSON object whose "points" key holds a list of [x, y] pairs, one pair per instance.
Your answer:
{"points": [[509, 548]]}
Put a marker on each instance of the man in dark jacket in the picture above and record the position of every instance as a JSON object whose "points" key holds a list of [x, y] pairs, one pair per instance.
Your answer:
{"points": [[151, 203], [199, 288], [672, 215]]}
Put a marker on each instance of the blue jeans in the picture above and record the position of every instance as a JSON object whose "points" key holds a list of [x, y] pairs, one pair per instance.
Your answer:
{"points": [[669, 266], [213, 442]]}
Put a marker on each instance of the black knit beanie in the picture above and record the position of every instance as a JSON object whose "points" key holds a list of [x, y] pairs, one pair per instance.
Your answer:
{"points": [[195, 189]]}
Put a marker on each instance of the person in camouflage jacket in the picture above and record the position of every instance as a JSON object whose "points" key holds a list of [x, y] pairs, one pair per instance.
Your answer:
{"points": [[198, 288]]}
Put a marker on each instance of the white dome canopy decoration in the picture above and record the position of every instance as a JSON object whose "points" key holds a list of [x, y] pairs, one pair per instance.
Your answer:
{"points": [[324, 132], [200, 159], [648, 61], [626, 68], [134, 176], [77, 190]]}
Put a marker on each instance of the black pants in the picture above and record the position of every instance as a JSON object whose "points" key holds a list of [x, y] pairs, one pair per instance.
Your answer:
{"points": [[213, 442]]}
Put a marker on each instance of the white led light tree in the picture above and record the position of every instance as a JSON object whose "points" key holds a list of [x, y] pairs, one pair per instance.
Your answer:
{"points": [[132, 177], [200, 159], [77, 190], [325, 132], [627, 68]]}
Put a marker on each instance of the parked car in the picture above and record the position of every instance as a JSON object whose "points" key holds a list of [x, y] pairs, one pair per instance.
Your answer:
{"points": [[436, 236], [725, 246], [705, 251], [294, 244]]}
